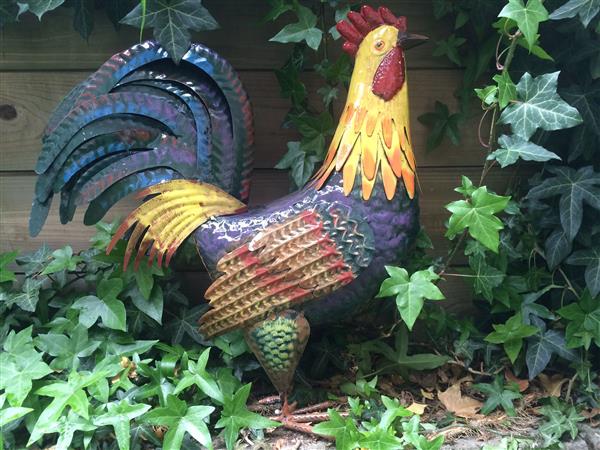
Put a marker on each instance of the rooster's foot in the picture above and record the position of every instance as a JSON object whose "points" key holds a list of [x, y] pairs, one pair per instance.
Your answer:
{"points": [[302, 419]]}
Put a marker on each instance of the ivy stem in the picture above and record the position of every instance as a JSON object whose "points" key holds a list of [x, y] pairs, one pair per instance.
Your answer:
{"points": [[514, 39], [487, 165], [325, 38]]}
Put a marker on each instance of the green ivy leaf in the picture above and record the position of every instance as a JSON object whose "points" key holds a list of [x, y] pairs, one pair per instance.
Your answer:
{"points": [[514, 147], [539, 106], [20, 364], [477, 215], [343, 429], [196, 374], [144, 277], [181, 419], [380, 439], [67, 350], [535, 50], [336, 72], [10, 414], [290, 84], [410, 292], [485, 277], [185, 323], [63, 259], [575, 188], [235, 416], [153, 306], [498, 395], [328, 94], [442, 8], [29, 296], [111, 311], [303, 30], [105, 306], [507, 90], [412, 436], [34, 262], [66, 426], [557, 248], [449, 47], [561, 418], [341, 13], [511, 335], [39, 7], [5, 260], [65, 393], [530, 309], [301, 163], [585, 9], [488, 95], [9, 12], [540, 349], [466, 187], [83, 17], [278, 7], [172, 21], [584, 322], [118, 416], [117, 9], [442, 124], [587, 101], [315, 131], [528, 17], [590, 258]]}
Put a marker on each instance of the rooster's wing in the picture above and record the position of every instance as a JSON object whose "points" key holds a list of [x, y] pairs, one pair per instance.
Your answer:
{"points": [[310, 255]]}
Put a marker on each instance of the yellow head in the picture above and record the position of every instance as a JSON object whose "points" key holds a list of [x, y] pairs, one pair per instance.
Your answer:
{"points": [[372, 141]]}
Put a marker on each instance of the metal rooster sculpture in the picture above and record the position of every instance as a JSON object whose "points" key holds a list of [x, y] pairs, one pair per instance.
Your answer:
{"points": [[182, 134]]}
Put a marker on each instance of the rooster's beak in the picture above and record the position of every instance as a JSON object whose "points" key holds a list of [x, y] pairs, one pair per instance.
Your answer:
{"points": [[410, 40]]}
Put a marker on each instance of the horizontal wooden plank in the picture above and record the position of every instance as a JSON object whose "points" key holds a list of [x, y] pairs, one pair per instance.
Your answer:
{"points": [[28, 98], [243, 39], [16, 193]]}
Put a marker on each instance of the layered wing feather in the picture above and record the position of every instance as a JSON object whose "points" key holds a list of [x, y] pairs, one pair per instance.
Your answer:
{"points": [[281, 267]]}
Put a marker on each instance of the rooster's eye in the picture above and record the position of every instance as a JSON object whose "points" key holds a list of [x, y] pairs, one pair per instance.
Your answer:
{"points": [[379, 45]]}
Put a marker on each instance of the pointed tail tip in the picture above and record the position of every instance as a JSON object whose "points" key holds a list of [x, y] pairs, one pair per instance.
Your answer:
{"points": [[38, 216], [34, 228]]}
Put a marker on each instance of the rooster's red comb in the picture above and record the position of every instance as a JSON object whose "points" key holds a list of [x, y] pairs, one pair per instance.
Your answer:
{"points": [[360, 24]]}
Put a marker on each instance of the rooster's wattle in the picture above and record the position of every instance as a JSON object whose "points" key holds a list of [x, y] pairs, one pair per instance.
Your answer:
{"points": [[182, 134]]}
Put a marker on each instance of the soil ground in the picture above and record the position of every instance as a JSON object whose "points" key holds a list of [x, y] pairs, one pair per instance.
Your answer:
{"points": [[588, 439]]}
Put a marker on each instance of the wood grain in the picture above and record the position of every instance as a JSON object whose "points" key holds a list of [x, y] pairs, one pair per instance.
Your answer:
{"points": [[34, 95], [243, 38], [16, 193]]}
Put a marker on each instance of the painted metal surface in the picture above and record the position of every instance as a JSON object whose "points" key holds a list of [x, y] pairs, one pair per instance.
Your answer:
{"points": [[183, 134]]}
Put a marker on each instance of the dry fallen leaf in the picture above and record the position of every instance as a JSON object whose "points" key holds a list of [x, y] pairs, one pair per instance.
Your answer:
{"points": [[417, 408], [523, 384], [590, 413], [459, 405], [552, 385], [427, 395]]}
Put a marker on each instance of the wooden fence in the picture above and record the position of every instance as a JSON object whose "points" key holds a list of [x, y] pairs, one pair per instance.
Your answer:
{"points": [[41, 61]]}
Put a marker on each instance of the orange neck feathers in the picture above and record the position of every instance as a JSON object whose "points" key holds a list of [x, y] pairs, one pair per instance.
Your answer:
{"points": [[372, 143]]}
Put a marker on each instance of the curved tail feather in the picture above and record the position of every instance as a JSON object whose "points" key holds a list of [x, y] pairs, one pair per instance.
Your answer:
{"points": [[102, 141], [162, 223]]}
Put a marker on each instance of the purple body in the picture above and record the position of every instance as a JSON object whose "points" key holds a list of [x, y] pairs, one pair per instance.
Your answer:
{"points": [[393, 226]]}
